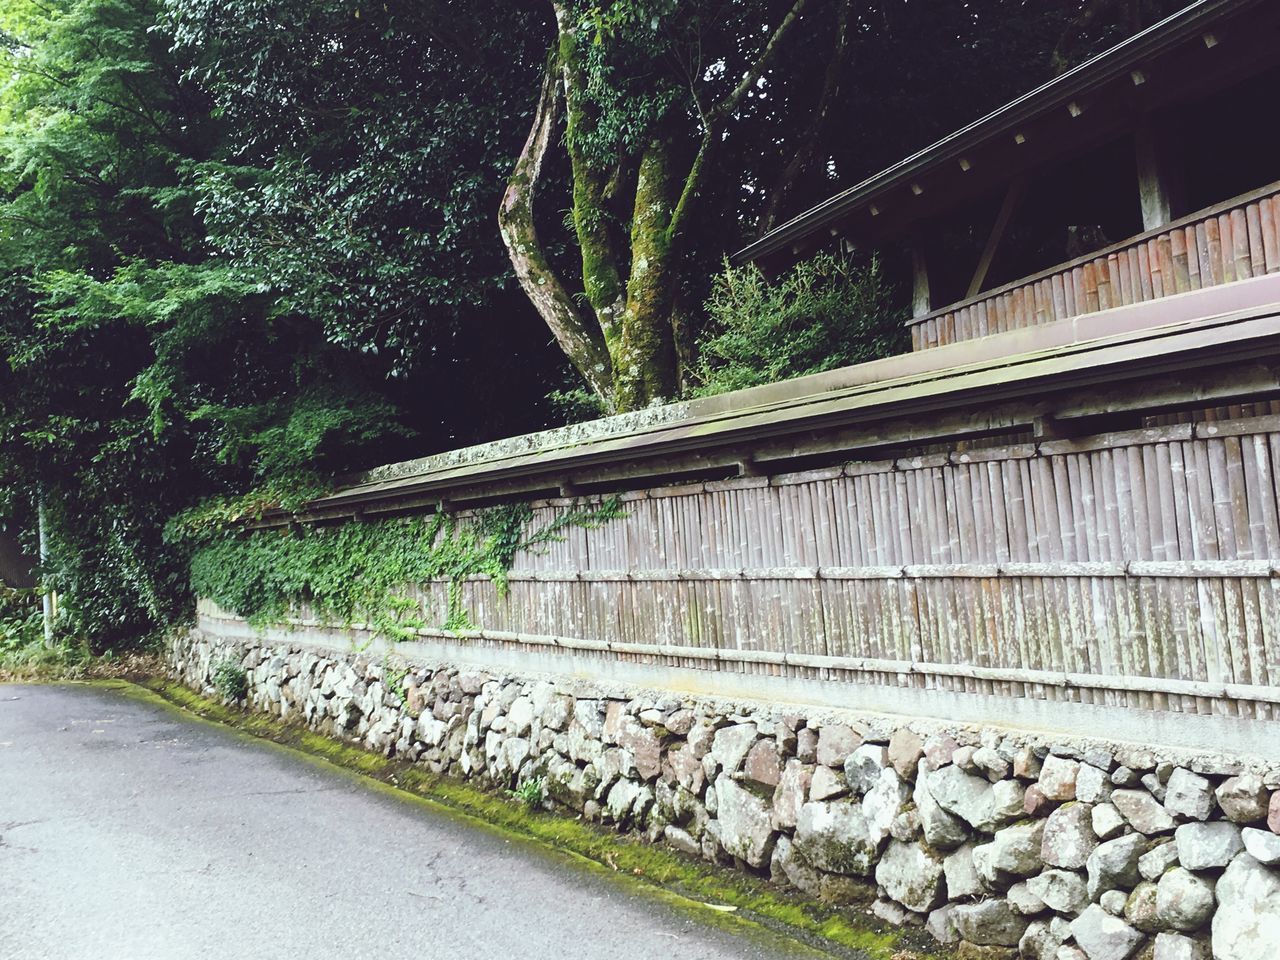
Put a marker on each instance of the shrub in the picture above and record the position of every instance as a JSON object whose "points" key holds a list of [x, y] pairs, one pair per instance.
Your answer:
{"points": [[229, 680], [825, 313]]}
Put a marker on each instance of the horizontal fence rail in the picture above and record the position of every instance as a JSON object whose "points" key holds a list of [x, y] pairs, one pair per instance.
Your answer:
{"points": [[1234, 241]]}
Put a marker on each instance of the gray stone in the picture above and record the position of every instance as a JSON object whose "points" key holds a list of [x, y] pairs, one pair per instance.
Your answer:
{"points": [[643, 746], [989, 762], [835, 743], [1188, 794], [1114, 864], [680, 722], [1092, 785], [1113, 902], [1143, 811], [1184, 901], [911, 875], [1141, 908], [1058, 778], [1174, 946], [729, 745], [1026, 764], [960, 793], [1246, 925], [1154, 785], [1040, 942], [700, 738], [1108, 823], [1243, 799], [895, 914], [746, 822], [1157, 860], [939, 749], [793, 787], [626, 801], [1012, 853], [942, 830], [520, 716], [962, 878], [686, 769], [1023, 899], [990, 923], [906, 825], [763, 764], [1068, 837], [1207, 846], [1262, 845], [1101, 758], [883, 802], [834, 836], [1070, 951], [862, 767], [1104, 937], [941, 924], [1125, 777], [1061, 890], [682, 840], [827, 784]]}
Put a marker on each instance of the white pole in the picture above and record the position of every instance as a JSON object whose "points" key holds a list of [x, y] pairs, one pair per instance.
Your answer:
{"points": [[46, 595]]}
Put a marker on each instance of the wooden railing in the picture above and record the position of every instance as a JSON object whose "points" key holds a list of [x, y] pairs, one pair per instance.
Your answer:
{"points": [[1233, 241]]}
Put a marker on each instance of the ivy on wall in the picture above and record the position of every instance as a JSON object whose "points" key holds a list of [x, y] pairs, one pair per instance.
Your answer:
{"points": [[349, 574]]}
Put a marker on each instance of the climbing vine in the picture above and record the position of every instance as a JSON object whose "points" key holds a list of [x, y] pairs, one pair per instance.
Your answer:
{"points": [[350, 573]]}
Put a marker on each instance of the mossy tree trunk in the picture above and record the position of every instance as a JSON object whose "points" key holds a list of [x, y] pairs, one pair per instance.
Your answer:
{"points": [[628, 222]]}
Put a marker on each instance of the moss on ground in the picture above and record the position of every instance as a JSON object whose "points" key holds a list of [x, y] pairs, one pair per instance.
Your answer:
{"points": [[715, 895]]}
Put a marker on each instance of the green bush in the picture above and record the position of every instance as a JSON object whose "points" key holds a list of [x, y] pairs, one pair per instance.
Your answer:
{"points": [[21, 626], [824, 313], [229, 680]]}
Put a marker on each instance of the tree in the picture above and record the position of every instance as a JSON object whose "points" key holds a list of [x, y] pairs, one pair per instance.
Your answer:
{"points": [[371, 143], [140, 374], [649, 88]]}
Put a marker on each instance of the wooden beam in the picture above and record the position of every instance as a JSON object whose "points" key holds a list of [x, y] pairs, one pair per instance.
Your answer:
{"points": [[921, 296], [1156, 185], [1007, 206]]}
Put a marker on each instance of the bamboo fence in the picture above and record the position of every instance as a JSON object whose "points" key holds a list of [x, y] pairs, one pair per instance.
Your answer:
{"points": [[1135, 569]]}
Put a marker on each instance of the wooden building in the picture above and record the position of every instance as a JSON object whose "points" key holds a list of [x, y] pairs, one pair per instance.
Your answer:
{"points": [[1148, 171]]}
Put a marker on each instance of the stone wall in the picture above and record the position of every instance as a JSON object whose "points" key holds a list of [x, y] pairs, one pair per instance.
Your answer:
{"points": [[1019, 845]]}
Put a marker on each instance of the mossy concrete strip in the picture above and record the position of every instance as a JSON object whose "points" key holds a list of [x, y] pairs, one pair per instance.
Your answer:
{"points": [[742, 904]]}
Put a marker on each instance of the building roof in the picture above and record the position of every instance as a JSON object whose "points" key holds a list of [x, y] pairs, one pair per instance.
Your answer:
{"points": [[1204, 45]]}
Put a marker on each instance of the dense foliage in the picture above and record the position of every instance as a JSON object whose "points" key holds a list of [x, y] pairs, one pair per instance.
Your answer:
{"points": [[348, 574], [824, 313], [142, 374]]}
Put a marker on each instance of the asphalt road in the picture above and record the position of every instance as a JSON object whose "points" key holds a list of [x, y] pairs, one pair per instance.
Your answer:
{"points": [[131, 832]]}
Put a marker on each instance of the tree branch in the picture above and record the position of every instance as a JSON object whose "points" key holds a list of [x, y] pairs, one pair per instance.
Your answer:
{"points": [[581, 341], [730, 103], [807, 146]]}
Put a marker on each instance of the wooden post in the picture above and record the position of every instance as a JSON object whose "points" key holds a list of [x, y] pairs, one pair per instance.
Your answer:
{"points": [[1157, 181], [1007, 206], [921, 296]]}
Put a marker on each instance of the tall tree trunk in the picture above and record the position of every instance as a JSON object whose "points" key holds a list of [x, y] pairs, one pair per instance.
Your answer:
{"points": [[581, 340], [601, 277], [646, 357]]}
